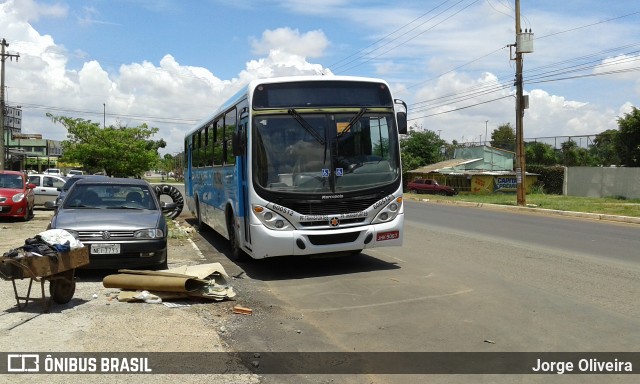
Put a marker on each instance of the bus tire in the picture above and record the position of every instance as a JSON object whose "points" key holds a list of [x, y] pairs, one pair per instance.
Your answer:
{"points": [[200, 226], [237, 253], [175, 195]]}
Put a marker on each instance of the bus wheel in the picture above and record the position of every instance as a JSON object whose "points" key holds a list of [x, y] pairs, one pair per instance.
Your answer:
{"points": [[199, 225], [174, 194], [236, 252]]}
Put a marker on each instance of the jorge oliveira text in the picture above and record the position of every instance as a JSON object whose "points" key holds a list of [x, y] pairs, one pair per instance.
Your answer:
{"points": [[582, 366]]}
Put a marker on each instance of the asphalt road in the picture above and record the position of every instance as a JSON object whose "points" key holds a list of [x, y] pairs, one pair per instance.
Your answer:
{"points": [[466, 280]]}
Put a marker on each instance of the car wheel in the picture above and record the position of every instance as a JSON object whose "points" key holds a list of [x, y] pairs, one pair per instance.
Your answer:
{"points": [[27, 214]]}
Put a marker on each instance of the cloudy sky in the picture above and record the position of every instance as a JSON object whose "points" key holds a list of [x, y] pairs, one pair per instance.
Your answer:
{"points": [[169, 63]]}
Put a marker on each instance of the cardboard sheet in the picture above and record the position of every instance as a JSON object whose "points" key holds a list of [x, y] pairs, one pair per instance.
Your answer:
{"points": [[204, 280]]}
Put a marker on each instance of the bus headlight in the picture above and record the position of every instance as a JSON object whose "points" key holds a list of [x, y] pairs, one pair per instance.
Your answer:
{"points": [[389, 212], [271, 219]]}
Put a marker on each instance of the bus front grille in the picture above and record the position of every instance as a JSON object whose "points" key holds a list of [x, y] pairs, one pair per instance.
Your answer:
{"points": [[330, 207], [341, 238]]}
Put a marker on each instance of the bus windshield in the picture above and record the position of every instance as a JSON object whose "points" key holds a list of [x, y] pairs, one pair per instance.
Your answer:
{"points": [[324, 152]]}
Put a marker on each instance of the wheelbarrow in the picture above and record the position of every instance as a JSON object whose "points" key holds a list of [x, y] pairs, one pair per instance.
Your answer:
{"points": [[59, 271]]}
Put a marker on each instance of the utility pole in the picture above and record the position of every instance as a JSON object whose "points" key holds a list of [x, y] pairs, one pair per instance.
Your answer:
{"points": [[3, 56], [524, 44], [486, 126]]}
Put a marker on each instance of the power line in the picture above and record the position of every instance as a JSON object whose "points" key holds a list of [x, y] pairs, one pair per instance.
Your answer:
{"points": [[461, 108], [531, 71], [388, 35], [587, 75], [530, 79], [588, 25], [405, 41], [113, 115]]}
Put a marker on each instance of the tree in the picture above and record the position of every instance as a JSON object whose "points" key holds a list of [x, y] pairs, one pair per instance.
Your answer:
{"points": [[628, 140], [573, 155], [119, 151], [420, 148], [504, 137], [604, 148], [540, 154]]}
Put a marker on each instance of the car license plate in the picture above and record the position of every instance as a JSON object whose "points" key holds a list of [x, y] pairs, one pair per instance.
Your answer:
{"points": [[391, 235], [105, 249]]}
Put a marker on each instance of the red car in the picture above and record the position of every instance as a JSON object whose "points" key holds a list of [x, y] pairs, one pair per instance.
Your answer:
{"points": [[16, 195], [430, 186]]}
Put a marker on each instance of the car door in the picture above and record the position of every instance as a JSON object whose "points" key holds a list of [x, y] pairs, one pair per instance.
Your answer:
{"points": [[46, 187]]}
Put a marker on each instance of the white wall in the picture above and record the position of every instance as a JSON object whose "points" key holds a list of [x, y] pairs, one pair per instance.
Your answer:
{"points": [[602, 182]]}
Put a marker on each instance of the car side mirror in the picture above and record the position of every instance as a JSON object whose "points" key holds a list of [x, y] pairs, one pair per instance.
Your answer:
{"points": [[168, 207], [31, 186]]}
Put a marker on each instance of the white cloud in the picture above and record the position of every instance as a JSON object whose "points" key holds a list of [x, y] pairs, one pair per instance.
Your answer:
{"points": [[29, 10], [309, 44], [167, 95], [621, 68], [548, 115]]}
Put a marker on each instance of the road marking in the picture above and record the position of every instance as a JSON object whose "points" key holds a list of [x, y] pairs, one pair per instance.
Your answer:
{"points": [[387, 303], [198, 252]]}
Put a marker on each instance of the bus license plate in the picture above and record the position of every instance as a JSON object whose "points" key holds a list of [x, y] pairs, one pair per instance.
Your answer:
{"points": [[391, 235], [105, 249]]}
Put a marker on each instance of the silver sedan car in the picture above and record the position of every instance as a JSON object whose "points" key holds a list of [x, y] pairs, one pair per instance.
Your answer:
{"points": [[121, 222]]}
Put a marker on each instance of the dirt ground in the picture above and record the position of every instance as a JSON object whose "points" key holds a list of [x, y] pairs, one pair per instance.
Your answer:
{"points": [[95, 321]]}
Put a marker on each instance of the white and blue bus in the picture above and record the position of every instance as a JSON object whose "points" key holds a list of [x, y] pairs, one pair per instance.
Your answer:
{"points": [[300, 166]]}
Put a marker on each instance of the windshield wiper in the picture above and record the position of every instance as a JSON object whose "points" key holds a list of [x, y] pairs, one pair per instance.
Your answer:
{"points": [[353, 121], [306, 125]]}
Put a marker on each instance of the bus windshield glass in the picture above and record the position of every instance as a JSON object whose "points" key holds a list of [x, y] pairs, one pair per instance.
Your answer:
{"points": [[324, 152]]}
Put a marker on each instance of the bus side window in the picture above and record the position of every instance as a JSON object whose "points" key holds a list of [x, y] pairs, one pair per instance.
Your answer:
{"points": [[210, 143], [217, 148], [230, 121]]}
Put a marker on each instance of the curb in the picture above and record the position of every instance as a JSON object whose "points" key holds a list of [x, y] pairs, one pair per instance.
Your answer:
{"points": [[584, 215]]}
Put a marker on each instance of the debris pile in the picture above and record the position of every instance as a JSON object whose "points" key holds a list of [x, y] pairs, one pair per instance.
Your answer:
{"points": [[206, 281]]}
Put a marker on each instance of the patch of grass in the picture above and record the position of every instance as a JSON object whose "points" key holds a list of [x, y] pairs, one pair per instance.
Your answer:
{"points": [[604, 205], [176, 231]]}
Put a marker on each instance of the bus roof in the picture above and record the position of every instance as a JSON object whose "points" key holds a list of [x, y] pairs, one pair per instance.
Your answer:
{"points": [[246, 90]]}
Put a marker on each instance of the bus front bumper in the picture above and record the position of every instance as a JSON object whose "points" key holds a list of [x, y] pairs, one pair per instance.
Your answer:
{"points": [[270, 243]]}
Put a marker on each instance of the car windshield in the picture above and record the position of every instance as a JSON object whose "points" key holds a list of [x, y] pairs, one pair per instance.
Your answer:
{"points": [[110, 196], [69, 183], [11, 181]]}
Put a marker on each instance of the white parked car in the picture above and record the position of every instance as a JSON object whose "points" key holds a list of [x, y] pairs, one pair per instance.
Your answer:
{"points": [[52, 171], [46, 187], [74, 172]]}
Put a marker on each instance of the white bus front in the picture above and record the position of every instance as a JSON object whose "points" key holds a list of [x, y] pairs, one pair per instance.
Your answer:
{"points": [[325, 169]]}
